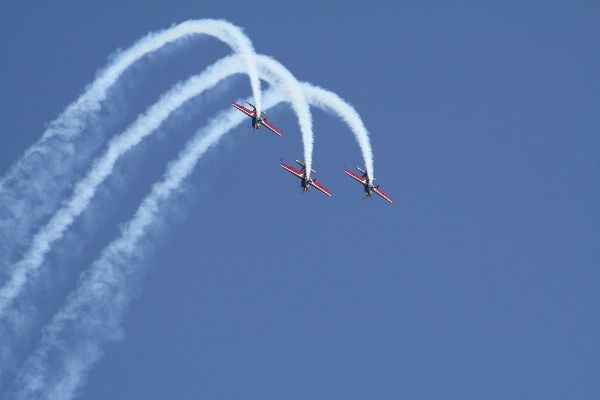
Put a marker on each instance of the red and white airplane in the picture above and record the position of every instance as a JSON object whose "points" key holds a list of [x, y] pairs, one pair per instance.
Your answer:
{"points": [[302, 175], [257, 119], [369, 187]]}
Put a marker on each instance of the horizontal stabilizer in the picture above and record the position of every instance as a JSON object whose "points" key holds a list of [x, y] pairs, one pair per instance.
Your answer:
{"points": [[253, 106], [304, 165]]}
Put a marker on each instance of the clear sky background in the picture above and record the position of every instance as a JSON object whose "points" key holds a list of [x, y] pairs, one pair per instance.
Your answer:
{"points": [[479, 281]]}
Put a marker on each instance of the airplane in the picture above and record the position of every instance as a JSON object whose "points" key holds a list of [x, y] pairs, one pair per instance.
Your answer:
{"points": [[366, 181], [257, 119], [302, 175]]}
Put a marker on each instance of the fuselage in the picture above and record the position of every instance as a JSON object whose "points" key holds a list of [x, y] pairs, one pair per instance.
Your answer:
{"points": [[256, 120], [368, 188], [305, 182]]}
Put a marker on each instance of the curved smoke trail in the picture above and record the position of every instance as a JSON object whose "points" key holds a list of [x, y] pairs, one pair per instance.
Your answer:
{"points": [[31, 188], [104, 290], [271, 71], [305, 93], [26, 271], [145, 125], [334, 104], [103, 166], [94, 312], [276, 74]]}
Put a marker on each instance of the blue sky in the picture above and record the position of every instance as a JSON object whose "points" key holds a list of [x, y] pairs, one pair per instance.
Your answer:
{"points": [[479, 281]]}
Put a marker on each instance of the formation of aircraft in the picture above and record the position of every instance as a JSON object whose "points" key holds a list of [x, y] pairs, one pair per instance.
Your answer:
{"points": [[364, 179], [306, 182], [256, 116]]}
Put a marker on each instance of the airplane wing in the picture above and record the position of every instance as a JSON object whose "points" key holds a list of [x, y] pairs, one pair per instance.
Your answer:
{"points": [[322, 188], [271, 127], [357, 177], [381, 193], [242, 109], [293, 170]]}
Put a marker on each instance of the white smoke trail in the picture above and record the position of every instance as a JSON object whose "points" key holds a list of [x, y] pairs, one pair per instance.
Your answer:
{"points": [[92, 330], [277, 75], [93, 313], [303, 94], [220, 29], [331, 102], [103, 166], [30, 190], [274, 73]]}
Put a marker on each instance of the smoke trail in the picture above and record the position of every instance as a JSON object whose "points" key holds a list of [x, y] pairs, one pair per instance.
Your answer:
{"points": [[332, 103], [104, 291], [98, 285], [35, 183], [272, 71], [303, 94], [103, 166], [276, 74]]}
